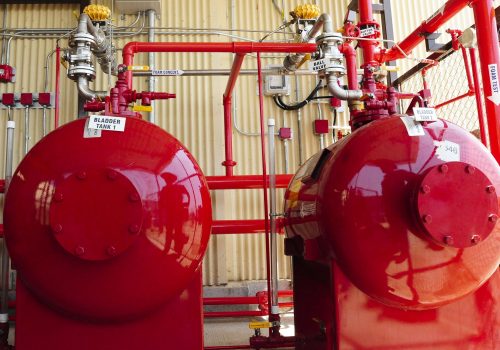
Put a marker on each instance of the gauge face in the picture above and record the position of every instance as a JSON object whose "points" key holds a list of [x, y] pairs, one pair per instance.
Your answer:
{"points": [[107, 227], [411, 218]]}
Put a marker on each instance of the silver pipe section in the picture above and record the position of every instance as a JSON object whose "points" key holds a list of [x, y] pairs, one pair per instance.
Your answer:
{"points": [[336, 91], [273, 248], [9, 160], [44, 121], [26, 129], [4, 26], [324, 22], [85, 91], [151, 60], [222, 72]]}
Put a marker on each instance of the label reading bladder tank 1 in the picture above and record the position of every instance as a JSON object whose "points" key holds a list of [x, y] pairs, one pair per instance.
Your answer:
{"points": [[423, 114], [447, 151], [104, 122], [413, 127]]}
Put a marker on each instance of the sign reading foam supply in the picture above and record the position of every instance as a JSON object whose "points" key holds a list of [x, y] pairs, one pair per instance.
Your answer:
{"points": [[103, 122]]}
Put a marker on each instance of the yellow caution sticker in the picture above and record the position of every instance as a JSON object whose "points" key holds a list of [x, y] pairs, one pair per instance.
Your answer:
{"points": [[141, 108], [258, 325], [138, 68]]}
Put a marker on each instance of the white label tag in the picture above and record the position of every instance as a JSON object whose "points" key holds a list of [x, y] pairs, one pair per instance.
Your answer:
{"points": [[423, 114], [447, 151], [90, 133], [413, 127], [167, 72], [104, 122], [367, 32], [318, 65], [493, 70]]}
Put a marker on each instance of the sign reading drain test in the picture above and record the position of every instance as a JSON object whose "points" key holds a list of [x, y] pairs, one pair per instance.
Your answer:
{"points": [[103, 122]]}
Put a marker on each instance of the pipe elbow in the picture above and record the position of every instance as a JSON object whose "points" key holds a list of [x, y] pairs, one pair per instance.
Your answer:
{"points": [[337, 91], [85, 92]]}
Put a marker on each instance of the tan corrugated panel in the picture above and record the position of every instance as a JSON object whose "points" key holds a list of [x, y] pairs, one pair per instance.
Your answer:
{"points": [[195, 116]]}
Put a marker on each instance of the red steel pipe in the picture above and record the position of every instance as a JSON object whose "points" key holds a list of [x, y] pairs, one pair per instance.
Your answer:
{"points": [[235, 47], [2, 186], [487, 41], [366, 18], [58, 77], [352, 69], [244, 313], [240, 182], [227, 100], [477, 91], [228, 347], [224, 227], [432, 24]]}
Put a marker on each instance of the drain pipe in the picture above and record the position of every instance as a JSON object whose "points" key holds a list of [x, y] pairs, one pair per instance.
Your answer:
{"points": [[151, 60]]}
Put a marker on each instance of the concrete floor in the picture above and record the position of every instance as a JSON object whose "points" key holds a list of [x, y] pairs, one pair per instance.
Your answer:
{"points": [[230, 331]]}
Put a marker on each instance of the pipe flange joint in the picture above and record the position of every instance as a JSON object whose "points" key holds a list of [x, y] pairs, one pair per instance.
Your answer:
{"points": [[81, 38], [330, 37]]}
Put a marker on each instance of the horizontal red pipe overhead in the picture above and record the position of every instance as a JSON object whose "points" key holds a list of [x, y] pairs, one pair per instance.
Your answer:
{"points": [[224, 227], [240, 182], [432, 24], [232, 47]]}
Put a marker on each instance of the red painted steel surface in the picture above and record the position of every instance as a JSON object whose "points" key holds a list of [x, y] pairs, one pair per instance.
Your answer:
{"points": [[176, 324], [355, 202], [111, 227]]}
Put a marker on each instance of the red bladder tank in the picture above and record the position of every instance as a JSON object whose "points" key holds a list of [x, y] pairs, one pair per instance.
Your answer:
{"points": [[409, 212], [108, 227]]}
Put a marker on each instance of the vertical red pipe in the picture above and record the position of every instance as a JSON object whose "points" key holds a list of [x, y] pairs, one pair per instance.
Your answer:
{"points": [[227, 101], [477, 91], [352, 69], [366, 18], [58, 75], [487, 40], [264, 177]]}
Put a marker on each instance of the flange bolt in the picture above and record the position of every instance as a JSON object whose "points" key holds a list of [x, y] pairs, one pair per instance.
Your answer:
{"points": [[425, 189], [133, 228], [493, 218], [79, 250], [427, 218], [111, 251], [448, 240], [443, 168], [475, 239], [57, 228]]}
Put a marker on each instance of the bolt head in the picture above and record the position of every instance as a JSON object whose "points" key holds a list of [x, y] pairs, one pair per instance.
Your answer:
{"points": [[443, 168], [448, 240], [490, 189], [425, 189], [133, 228], [493, 218], [134, 197], [58, 197], [79, 250], [475, 239], [57, 228], [469, 169], [82, 175], [112, 175], [427, 218], [111, 251]]}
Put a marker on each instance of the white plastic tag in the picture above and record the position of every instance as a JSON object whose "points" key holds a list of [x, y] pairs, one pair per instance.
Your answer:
{"points": [[447, 151], [90, 133], [167, 72], [413, 127], [318, 65], [424, 114], [104, 122], [367, 32]]}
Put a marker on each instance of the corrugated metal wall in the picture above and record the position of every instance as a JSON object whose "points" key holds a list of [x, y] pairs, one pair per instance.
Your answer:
{"points": [[195, 116]]}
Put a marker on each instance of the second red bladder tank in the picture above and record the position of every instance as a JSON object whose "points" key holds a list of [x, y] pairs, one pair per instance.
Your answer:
{"points": [[409, 212]]}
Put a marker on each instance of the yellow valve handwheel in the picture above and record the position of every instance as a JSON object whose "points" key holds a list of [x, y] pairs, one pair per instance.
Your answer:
{"points": [[307, 11], [97, 12]]}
